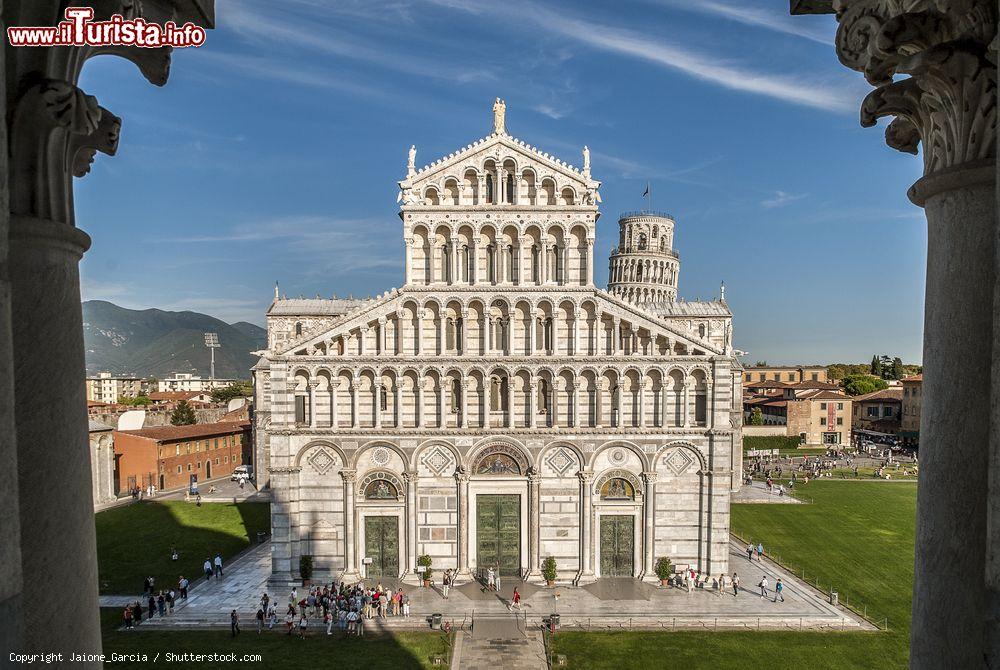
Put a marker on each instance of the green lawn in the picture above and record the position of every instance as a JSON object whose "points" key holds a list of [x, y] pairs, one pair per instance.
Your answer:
{"points": [[857, 536], [399, 651], [134, 542]]}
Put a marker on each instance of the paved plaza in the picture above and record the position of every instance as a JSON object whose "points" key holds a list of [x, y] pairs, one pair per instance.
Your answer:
{"points": [[758, 492], [607, 604]]}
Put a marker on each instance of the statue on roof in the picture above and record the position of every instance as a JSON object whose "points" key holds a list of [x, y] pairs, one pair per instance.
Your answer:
{"points": [[411, 166], [499, 114], [586, 160]]}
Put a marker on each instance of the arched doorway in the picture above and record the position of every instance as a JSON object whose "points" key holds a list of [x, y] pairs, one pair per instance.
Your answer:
{"points": [[498, 497], [208, 469]]}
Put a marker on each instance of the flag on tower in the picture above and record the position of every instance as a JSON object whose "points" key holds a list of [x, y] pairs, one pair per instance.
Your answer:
{"points": [[646, 192]]}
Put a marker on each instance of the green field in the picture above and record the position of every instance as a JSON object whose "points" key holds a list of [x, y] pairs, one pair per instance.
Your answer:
{"points": [[134, 542], [399, 651], [856, 536]]}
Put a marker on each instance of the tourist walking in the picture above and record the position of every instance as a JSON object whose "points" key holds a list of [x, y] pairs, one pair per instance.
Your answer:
{"points": [[127, 617], [778, 588], [760, 551], [234, 622], [405, 599], [446, 583], [302, 624], [749, 552], [218, 565], [491, 579], [515, 601], [328, 620], [736, 585], [763, 586], [260, 620], [290, 620], [207, 567], [722, 584]]}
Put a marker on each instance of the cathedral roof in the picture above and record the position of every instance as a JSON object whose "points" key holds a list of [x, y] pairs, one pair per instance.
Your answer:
{"points": [[690, 308], [315, 306]]}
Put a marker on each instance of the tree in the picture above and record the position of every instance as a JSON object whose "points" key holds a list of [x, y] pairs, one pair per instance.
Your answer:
{"points": [[876, 366], [183, 415], [760, 364], [756, 417], [897, 368], [862, 384], [235, 390]]}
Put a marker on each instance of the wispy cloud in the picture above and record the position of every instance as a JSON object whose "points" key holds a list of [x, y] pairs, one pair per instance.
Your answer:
{"points": [[761, 18], [781, 198], [660, 51]]}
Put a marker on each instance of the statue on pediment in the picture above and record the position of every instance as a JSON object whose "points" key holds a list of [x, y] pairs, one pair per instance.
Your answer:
{"points": [[499, 114]]}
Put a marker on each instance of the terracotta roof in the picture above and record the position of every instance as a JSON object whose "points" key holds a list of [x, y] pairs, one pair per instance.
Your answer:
{"points": [[826, 386], [822, 394], [98, 427], [765, 385], [175, 395], [914, 378], [96, 403], [891, 393], [198, 430]]}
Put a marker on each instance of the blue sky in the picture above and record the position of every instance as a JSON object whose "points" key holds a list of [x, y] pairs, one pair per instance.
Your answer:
{"points": [[273, 152]]}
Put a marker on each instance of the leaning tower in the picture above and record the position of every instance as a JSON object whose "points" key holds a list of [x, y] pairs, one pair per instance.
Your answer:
{"points": [[644, 267]]}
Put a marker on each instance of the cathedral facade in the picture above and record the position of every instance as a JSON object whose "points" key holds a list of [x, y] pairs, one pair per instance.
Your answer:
{"points": [[498, 408]]}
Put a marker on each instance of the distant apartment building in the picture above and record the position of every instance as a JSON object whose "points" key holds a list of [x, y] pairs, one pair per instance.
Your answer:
{"points": [[789, 374], [108, 388], [909, 428], [878, 414], [171, 457], [182, 381], [171, 398], [816, 412]]}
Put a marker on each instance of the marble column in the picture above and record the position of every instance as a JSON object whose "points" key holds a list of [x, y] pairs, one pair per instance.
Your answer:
{"points": [[411, 479], [312, 402], [454, 261], [587, 515], [575, 404], [377, 404], [554, 402], [532, 390], [418, 334], [590, 261], [487, 400], [355, 406], [686, 394], [442, 417], [398, 402], [946, 108], [576, 334], [462, 329], [408, 269], [510, 402], [642, 404], [543, 261], [382, 339], [442, 328], [350, 544], [58, 544], [534, 510], [463, 507], [334, 385], [464, 417], [649, 526], [420, 402], [532, 332], [488, 332], [616, 325], [473, 262]]}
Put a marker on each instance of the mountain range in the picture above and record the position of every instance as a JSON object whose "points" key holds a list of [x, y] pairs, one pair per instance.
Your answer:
{"points": [[153, 342]]}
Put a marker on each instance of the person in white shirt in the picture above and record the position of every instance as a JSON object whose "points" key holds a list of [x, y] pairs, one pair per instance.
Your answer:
{"points": [[218, 565]]}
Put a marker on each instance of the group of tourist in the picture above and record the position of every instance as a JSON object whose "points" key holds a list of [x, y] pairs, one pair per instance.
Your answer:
{"points": [[336, 604], [158, 603]]}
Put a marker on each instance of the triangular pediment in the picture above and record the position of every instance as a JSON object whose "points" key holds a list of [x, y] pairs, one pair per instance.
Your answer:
{"points": [[498, 147]]}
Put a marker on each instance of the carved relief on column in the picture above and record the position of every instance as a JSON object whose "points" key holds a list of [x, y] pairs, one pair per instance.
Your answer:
{"points": [[534, 508], [948, 102]]}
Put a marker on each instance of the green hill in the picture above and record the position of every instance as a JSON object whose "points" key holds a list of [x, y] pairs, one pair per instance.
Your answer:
{"points": [[152, 342]]}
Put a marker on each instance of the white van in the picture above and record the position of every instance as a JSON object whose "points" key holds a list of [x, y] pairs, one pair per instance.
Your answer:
{"points": [[241, 472]]}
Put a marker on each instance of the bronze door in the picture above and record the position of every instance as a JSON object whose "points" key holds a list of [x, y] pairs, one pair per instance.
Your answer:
{"points": [[382, 546], [617, 538], [498, 533]]}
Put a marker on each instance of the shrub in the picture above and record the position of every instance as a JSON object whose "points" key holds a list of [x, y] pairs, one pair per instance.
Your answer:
{"points": [[664, 568], [549, 569], [424, 560], [770, 442]]}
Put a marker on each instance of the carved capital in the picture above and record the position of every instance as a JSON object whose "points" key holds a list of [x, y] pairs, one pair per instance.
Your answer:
{"points": [[650, 477], [350, 476], [948, 101]]}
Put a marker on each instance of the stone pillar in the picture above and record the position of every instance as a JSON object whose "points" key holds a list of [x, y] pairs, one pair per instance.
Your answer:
{"points": [[453, 257], [473, 262], [58, 544], [442, 325], [598, 401], [488, 332], [642, 404], [398, 418], [356, 407], [947, 104], [312, 402], [462, 329], [334, 385], [575, 404], [382, 339], [576, 334], [350, 544], [532, 390], [408, 269], [464, 417], [543, 261], [616, 325], [534, 509], [464, 506], [377, 404], [501, 190], [411, 479], [481, 189], [590, 261], [554, 402], [532, 332], [442, 407], [487, 400], [510, 402], [598, 333], [420, 314], [420, 402], [587, 513], [649, 526]]}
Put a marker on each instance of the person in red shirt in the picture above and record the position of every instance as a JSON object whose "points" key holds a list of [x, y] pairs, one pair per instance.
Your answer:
{"points": [[515, 601]]}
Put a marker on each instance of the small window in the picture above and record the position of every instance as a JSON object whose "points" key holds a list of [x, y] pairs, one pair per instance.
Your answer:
{"points": [[822, 405], [840, 405], [822, 421], [840, 421], [179, 469]]}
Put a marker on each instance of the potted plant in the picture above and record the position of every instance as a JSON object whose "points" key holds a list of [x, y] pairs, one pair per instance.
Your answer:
{"points": [[549, 570], [664, 569], [424, 561], [306, 569]]}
